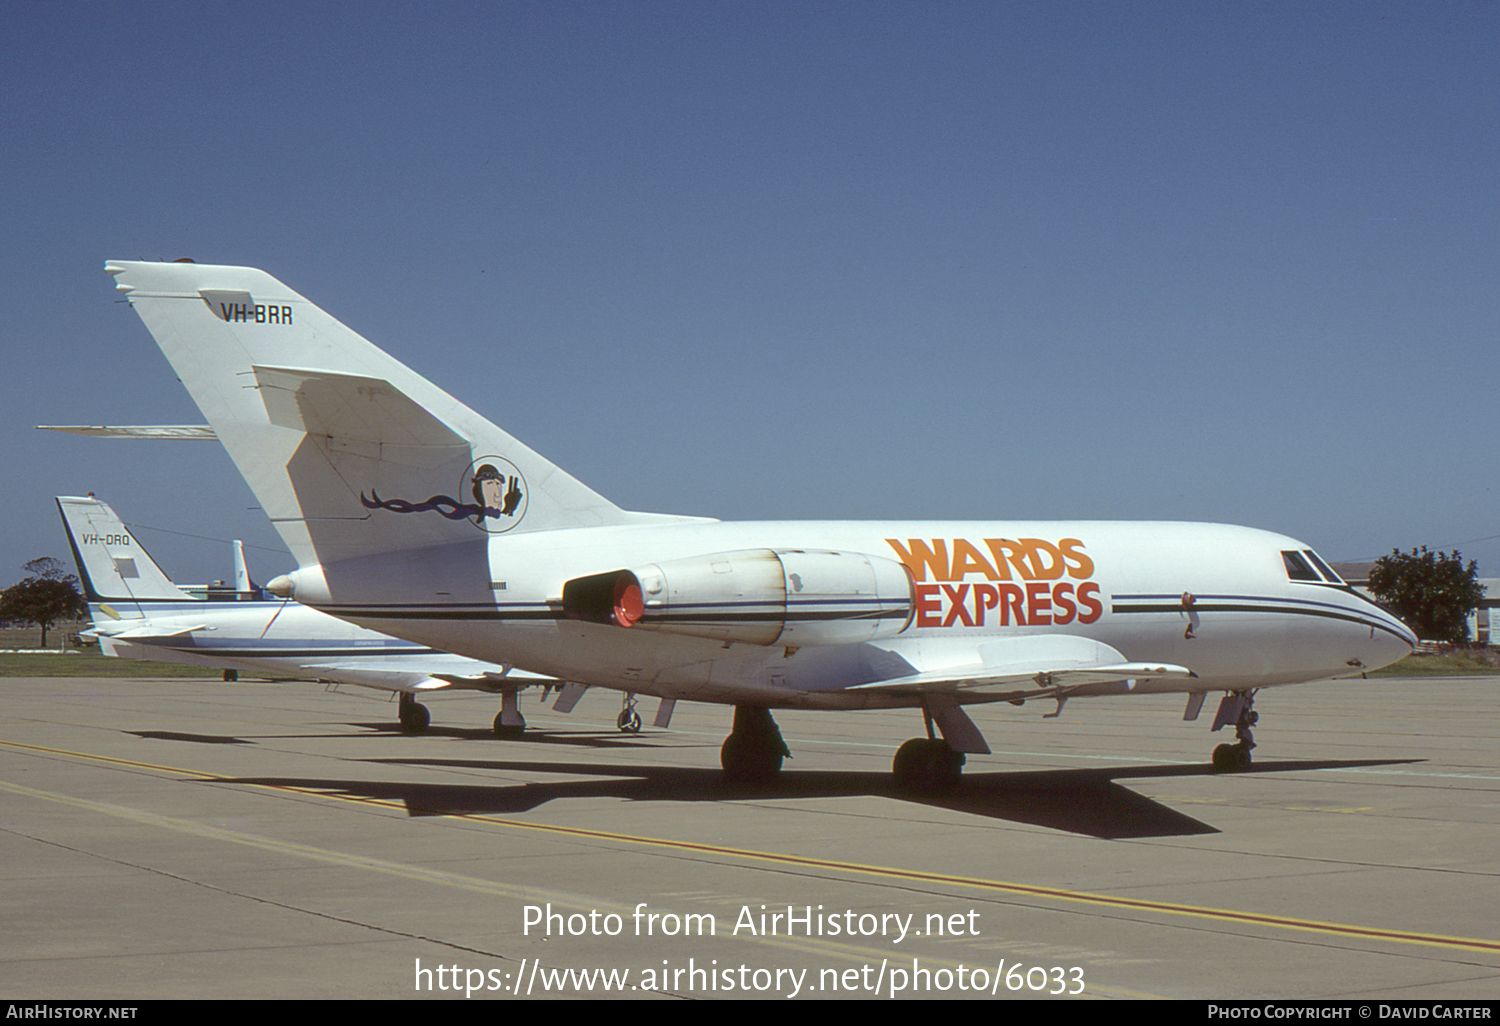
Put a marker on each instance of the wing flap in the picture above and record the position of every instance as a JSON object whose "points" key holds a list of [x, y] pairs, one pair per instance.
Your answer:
{"points": [[373, 673], [143, 635], [1034, 666]]}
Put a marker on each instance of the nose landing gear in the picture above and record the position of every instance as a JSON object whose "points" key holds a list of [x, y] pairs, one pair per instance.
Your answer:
{"points": [[629, 721]]}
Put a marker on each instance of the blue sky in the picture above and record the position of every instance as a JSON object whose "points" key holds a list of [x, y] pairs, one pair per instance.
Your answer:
{"points": [[1184, 261]]}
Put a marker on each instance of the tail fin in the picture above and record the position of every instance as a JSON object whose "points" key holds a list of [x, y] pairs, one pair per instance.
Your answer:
{"points": [[112, 565], [243, 585], [350, 452]]}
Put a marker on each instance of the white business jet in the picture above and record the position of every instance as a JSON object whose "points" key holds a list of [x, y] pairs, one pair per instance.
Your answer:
{"points": [[139, 613], [412, 515]]}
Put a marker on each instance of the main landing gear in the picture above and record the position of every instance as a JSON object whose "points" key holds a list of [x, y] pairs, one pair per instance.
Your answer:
{"points": [[753, 751], [414, 718], [509, 723], [927, 765], [412, 714], [1240, 705]]}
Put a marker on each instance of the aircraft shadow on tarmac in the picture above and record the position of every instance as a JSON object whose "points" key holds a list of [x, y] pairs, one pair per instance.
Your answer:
{"points": [[533, 735], [201, 739], [579, 739], [1081, 801]]}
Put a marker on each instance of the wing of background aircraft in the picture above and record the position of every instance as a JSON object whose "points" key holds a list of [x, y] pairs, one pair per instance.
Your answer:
{"points": [[139, 613]]}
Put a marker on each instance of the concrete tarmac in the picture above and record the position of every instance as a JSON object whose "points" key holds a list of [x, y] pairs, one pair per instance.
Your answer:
{"points": [[200, 839]]}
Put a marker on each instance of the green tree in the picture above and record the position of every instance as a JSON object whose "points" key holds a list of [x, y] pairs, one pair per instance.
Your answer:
{"points": [[1432, 591], [43, 598]]}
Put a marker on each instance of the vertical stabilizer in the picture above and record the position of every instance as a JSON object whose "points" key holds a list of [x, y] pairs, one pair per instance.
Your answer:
{"points": [[351, 453], [242, 582], [112, 565]]}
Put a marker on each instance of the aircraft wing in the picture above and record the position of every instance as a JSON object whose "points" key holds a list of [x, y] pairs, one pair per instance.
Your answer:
{"points": [[1034, 666], [381, 675], [142, 635]]}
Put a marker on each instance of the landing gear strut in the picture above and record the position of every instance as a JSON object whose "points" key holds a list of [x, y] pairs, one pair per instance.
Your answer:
{"points": [[509, 723], [412, 714], [753, 751], [1236, 757], [927, 765]]}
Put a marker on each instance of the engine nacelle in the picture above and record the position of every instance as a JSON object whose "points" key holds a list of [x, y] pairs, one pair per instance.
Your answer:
{"points": [[792, 597]]}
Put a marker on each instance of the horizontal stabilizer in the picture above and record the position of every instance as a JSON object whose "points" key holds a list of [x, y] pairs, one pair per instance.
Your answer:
{"points": [[175, 432]]}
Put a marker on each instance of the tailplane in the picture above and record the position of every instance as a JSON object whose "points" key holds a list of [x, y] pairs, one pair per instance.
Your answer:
{"points": [[351, 453]]}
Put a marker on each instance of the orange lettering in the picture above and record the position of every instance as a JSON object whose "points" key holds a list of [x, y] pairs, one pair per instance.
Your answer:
{"points": [[968, 560], [1072, 550], [1038, 604], [1012, 604], [1008, 552], [1062, 599], [1086, 599], [986, 596], [920, 559], [929, 606], [957, 610], [1049, 569], [1032, 560]]}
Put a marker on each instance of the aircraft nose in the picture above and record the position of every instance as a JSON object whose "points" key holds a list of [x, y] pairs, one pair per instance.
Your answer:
{"points": [[1390, 640]]}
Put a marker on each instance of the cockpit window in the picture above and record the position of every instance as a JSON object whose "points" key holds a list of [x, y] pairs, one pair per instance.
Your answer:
{"points": [[1328, 574], [1297, 568]]}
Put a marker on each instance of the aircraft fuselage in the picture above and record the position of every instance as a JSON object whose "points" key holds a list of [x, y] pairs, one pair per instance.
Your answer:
{"points": [[1214, 598]]}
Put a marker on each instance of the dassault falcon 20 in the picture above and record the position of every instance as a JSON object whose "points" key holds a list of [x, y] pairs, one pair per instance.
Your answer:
{"points": [[410, 514]]}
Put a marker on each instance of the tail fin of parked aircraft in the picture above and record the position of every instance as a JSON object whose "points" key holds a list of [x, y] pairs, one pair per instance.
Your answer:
{"points": [[242, 582], [351, 453], [112, 566]]}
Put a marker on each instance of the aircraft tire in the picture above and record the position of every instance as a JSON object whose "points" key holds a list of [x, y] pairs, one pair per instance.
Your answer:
{"points": [[509, 731], [1231, 758], [747, 759], [927, 766], [414, 718], [629, 722]]}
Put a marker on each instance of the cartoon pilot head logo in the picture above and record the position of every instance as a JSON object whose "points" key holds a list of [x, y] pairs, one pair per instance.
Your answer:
{"points": [[499, 492]]}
